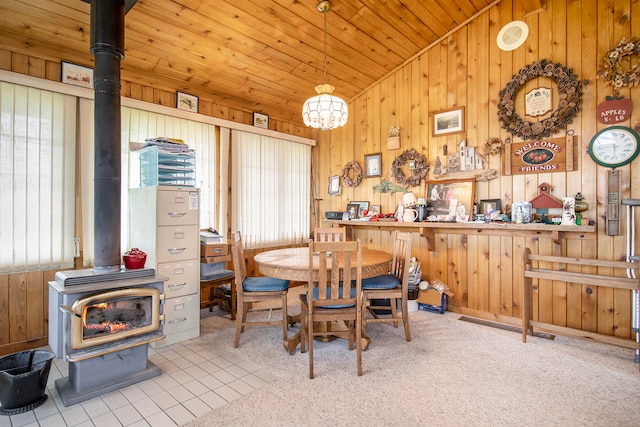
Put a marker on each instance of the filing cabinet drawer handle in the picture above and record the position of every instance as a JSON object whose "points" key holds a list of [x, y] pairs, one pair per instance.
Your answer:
{"points": [[175, 214], [176, 285], [184, 319], [175, 250]]}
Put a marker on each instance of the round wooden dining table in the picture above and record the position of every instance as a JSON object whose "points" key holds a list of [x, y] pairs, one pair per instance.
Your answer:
{"points": [[293, 264]]}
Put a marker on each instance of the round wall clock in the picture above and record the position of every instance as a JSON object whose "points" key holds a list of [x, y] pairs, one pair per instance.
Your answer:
{"points": [[614, 146]]}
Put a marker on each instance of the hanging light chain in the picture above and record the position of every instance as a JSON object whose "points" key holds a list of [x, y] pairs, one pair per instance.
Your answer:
{"points": [[325, 45]]}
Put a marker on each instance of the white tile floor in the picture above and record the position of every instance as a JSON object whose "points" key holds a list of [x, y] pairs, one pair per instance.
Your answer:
{"points": [[197, 377]]}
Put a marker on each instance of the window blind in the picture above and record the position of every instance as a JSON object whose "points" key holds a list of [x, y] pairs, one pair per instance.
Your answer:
{"points": [[37, 176], [271, 183]]}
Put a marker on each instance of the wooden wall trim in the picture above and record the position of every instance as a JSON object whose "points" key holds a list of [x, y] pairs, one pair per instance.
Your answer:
{"points": [[25, 80]]}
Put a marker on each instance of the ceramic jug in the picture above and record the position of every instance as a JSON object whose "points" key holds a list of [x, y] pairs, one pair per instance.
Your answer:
{"points": [[409, 215]]}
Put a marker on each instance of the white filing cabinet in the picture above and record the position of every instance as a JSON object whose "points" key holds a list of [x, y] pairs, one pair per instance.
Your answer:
{"points": [[163, 222]]}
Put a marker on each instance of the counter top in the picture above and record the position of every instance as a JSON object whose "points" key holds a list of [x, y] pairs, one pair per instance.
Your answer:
{"points": [[428, 228]]}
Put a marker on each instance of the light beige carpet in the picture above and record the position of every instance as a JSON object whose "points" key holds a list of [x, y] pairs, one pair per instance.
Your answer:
{"points": [[452, 373]]}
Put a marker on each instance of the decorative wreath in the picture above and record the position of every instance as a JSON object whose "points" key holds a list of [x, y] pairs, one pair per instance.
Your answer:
{"points": [[357, 174], [494, 146], [611, 68], [569, 88], [419, 171]]}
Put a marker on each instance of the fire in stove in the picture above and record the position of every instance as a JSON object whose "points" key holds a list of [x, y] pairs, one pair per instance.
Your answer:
{"points": [[111, 316]]}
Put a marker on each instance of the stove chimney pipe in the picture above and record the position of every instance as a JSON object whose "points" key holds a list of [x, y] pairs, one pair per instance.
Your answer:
{"points": [[107, 45]]}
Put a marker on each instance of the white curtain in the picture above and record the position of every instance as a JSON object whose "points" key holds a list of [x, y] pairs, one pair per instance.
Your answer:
{"points": [[37, 179], [271, 190], [137, 126]]}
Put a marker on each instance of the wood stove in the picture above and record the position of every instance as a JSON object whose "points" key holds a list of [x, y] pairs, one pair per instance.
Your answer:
{"points": [[101, 324], [101, 319]]}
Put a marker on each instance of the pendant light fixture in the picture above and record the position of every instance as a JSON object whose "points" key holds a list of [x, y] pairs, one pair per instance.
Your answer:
{"points": [[325, 111]]}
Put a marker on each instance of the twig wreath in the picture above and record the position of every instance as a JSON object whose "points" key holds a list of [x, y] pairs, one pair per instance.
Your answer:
{"points": [[611, 69], [357, 174], [494, 146], [419, 171], [569, 88]]}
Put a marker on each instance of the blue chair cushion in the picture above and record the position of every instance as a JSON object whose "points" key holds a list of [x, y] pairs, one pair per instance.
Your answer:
{"points": [[220, 275], [316, 292], [261, 284], [386, 281]]}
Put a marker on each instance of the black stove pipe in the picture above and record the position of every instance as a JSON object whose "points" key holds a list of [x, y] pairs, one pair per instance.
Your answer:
{"points": [[107, 45]]}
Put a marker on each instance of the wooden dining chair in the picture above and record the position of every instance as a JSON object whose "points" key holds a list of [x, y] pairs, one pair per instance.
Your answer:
{"points": [[390, 287], [255, 289], [221, 290], [330, 234], [333, 296]]}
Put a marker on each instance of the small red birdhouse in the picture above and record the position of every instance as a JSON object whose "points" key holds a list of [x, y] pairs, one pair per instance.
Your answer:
{"points": [[544, 199]]}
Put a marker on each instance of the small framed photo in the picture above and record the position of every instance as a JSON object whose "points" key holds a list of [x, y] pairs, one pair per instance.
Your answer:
{"points": [[334, 185], [76, 75], [374, 210], [261, 120], [489, 206], [448, 122], [451, 198], [353, 210], [187, 102], [372, 163], [363, 206]]}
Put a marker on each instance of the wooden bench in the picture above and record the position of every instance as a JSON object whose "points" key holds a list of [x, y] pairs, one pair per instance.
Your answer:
{"points": [[561, 274]]}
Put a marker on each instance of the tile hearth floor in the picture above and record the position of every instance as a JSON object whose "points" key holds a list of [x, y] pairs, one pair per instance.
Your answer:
{"points": [[197, 377]]}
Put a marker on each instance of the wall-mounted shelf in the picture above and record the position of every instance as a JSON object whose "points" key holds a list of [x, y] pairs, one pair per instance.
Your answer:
{"points": [[477, 174], [429, 229]]}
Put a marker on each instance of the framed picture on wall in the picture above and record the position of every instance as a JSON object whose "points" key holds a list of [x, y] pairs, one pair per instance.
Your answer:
{"points": [[187, 102], [372, 164], [448, 200], [448, 122], [334, 185], [261, 120], [76, 75]]}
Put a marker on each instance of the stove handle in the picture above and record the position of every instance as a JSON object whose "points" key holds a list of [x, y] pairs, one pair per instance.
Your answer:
{"points": [[68, 310]]}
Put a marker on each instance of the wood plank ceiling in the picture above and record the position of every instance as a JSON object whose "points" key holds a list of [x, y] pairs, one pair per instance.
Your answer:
{"points": [[258, 55]]}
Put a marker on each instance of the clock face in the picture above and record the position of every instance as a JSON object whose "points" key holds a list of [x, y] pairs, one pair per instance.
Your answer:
{"points": [[614, 146]]}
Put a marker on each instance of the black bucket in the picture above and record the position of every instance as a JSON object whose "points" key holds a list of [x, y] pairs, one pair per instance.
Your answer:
{"points": [[23, 380]]}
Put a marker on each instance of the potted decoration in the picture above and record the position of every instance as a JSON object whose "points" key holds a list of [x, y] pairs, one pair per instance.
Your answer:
{"points": [[134, 259]]}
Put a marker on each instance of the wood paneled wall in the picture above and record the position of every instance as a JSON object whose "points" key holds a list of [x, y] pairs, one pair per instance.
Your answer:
{"points": [[467, 69], [24, 311]]}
